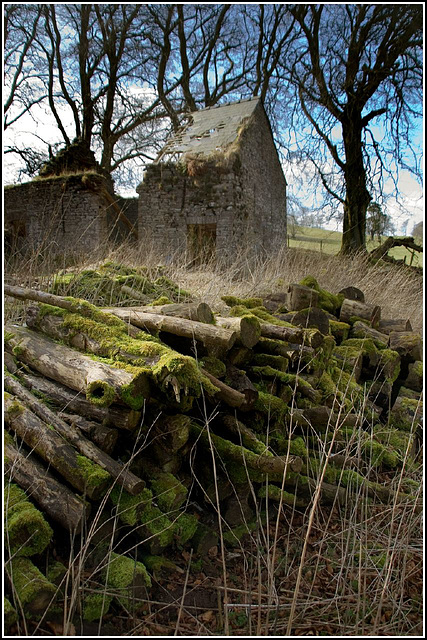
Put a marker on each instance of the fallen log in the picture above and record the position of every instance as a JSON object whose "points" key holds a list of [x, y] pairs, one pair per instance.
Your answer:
{"points": [[197, 311], [56, 500], [63, 397], [26, 530], [301, 297], [216, 339], [407, 344], [104, 437], [351, 309], [226, 394], [31, 588], [361, 330], [311, 338], [103, 384], [124, 477], [80, 472], [238, 380], [248, 329], [386, 326]]}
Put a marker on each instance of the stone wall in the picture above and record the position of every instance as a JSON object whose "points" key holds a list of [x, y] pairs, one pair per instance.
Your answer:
{"points": [[58, 215], [237, 198]]}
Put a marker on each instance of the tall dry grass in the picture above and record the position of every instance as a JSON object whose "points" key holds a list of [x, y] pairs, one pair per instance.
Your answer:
{"points": [[352, 569]]}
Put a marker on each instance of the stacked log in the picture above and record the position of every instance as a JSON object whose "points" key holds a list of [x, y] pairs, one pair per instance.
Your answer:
{"points": [[126, 407]]}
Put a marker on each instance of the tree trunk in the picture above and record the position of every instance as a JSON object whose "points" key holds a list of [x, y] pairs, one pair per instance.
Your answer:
{"points": [[102, 383], [294, 335], [355, 309], [248, 329], [197, 311], [125, 478], [63, 397], [56, 500], [227, 394], [357, 196], [49, 445]]}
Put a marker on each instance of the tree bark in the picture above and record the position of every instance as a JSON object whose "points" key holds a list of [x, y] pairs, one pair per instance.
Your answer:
{"points": [[102, 384], [361, 330], [56, 500], [248, 329], [354, 308], [125, 478], [104, 437], [215, 339], [64, 398], [197, 311], [238, 380], [293, 335], [226, 394], [50, 446], [386, 326]]}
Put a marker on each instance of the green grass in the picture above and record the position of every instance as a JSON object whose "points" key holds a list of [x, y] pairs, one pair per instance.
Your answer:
{"points": [[329, 242]]}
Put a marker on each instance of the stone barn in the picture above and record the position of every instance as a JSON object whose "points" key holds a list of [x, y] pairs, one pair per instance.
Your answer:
{"points": [[217, 187], [70, 208]]}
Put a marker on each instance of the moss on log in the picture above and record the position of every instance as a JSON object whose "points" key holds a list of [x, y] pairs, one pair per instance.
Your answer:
{"points": [[26, 530]]}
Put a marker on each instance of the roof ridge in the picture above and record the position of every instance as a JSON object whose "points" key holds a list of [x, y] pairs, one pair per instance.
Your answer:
{"points": [[227, 104]]}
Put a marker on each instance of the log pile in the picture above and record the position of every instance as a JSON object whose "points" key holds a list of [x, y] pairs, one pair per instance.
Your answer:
{"points": [[159, 417]]}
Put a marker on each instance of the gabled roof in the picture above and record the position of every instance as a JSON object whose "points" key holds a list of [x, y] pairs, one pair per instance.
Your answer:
{"points": [[211, 129]]}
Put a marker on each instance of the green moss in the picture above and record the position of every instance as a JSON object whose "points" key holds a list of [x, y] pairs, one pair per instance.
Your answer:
{"points": [[339, 329], [122, 573], [327, 301], [157, 525], [9, 614], [271, 405], [271, 492], [100, 393], [264, 359], [248, 303], [354, 319], [169, 491], [29, 582], [56, 572], [129, 507], [365, 346], [158, 564], [7, 336], [298, 447], [161, 301], [236, 534], [95, 606], [93, 474], [389, 364], [27, 532], [214, 366], [185, 527], [261, 313], [377, 454]]}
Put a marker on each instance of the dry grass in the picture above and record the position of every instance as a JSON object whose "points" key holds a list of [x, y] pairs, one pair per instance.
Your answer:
{"points": [[350, 569]]}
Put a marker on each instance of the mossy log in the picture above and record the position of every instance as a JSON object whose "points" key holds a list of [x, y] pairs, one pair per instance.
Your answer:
{"points": [[349, 360], [197, 311], [215, 339], [104, 437], [312, 318], [354, 308], [239, 454], [321, 417], [73, 305], [226, 394], [386, 326], [113, 416], [294, 381], [414, 379], [301, 297], [294, 335], [248, 329], [56, 500], [407, 344], [26, 530], [362, 330], [275, 494], [10, 615], [245, 435], [123, 476], [86, 476], [103, 384], [238, 380], [31, 588]]}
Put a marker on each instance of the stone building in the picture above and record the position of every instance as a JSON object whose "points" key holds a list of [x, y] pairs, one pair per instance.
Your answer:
{"points": [[216, 187], [70, 208]]}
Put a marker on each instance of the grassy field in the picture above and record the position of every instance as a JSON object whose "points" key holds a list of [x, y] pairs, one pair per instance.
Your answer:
{"points": [[329, 242], [358, 565]]}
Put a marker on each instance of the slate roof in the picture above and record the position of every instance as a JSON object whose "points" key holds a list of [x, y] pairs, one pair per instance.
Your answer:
{"points": [[209, 130]]}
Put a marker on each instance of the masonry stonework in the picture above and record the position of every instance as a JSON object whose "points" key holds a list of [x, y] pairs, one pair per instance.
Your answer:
{"points": [[221, 200]]}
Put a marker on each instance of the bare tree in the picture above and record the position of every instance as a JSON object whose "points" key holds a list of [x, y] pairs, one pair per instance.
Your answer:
{"points": [[351, 66]]}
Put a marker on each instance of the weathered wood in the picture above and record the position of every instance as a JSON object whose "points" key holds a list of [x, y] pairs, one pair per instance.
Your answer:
{"points": [[301, 297], [386, 326], [275, 301], [414, 379], [124, 477], [104, 437], [248, 329], [74, 305], [362, 330], [238, 380], [197, 311], [49, 445], [353, 293], [56, 500], [311, 338], [216, 339], [102, 383], [226, 394], [112, 416], [407, 344], [351, 309], [312, 318]]}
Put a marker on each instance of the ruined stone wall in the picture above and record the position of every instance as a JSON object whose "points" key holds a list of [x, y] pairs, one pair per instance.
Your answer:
{"points": [[263, 184], [58, 215], [170, 201]]}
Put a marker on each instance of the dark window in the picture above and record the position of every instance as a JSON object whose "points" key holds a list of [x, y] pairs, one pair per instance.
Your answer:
{"points": [[201, 242]]}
